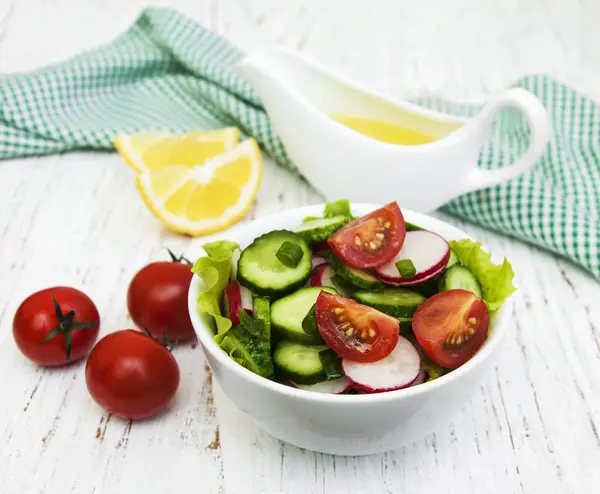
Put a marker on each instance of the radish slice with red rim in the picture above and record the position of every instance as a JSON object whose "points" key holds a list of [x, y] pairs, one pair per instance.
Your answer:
{"points": [[324, 275], [428, 252], [235, 257], [396, 371], [235, 298], [421, 378], [321, 276], [333, 387], [246, 296], [318, 260]]}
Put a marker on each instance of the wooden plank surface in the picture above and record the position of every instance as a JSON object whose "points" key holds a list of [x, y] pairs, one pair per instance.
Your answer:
{"points": [[76, 219]]}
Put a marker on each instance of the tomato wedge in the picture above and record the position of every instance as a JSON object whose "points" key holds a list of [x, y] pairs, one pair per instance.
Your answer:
{"points": [[451, 326], [372, 240], [355, 331]]}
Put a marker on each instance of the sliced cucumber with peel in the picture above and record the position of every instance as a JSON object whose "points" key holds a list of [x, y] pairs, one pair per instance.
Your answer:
{"points": [[397, 302], [288, 312], [299, 362], [405, 325], [357, 277], [317, 230], [263, 273], [452, 260], [460, 277]]}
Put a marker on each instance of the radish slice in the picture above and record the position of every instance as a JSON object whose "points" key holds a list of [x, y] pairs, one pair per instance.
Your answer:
{"points": [[235, 257], [421, 378], [334, 387], [246, 296], [428, 252], [396, 371], [320, 248], [235, 298], [318, 260], [321, 276]]}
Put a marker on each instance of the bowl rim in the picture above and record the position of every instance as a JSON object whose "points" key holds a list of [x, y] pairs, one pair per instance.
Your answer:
{"points": [[493, 341]]}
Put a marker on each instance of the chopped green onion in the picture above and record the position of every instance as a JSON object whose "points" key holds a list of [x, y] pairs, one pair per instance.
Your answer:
{"points": [[406, 268], [332, 364], [309, 323], [290, 254], [411, 227]]}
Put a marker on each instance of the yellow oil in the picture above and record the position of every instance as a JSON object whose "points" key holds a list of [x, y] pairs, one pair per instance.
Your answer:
{"points": [[384, 131]]}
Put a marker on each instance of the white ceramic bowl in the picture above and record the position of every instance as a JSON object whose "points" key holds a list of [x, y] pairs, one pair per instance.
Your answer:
{"points": [[345, 424]]}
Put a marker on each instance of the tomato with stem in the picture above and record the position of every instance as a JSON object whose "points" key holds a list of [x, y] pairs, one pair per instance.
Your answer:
{"points": [[56, 326], [157, 299]]}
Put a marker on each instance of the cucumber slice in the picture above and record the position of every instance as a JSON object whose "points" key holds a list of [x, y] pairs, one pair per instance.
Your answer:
{"points": [[357, 277], [460, 277], [320, 229], [298, 362], [452, 260], [397, 302], [263, 273], [428, 288], [345, 288], [288, 312], [405, 325]]}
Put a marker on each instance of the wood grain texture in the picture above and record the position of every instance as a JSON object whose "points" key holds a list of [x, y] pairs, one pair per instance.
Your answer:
{"points": [[534, 426]]}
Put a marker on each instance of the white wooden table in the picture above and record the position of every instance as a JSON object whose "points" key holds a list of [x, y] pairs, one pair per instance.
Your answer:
{"points": [[76, 219]]}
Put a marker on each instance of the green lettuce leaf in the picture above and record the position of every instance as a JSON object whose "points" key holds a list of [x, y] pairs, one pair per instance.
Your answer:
{"points": [[248, 350], [244, 343], [496, 279], [338, 208], [262, 311], [214, 270], [248, 346]]}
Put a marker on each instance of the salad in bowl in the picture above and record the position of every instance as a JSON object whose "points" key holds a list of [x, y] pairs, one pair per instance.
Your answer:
{"points": [[350, 305]]}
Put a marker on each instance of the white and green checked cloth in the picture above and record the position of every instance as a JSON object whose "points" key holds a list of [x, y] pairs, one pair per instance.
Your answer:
{"points": [[167, 72]]}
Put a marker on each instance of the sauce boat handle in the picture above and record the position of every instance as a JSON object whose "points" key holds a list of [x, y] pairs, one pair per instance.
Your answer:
{"points": [[539, 128]]}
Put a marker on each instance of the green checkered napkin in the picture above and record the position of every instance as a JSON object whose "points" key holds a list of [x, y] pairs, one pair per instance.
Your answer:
{"points": [[167, 72]]}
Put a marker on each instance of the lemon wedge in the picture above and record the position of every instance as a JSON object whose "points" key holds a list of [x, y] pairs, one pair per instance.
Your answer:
{"points": [[198, 199], [151, 151]]}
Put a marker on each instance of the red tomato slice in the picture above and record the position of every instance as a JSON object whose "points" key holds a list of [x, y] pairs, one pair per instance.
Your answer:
{"points": [[451, 326], [372, 240], [355, 331]]}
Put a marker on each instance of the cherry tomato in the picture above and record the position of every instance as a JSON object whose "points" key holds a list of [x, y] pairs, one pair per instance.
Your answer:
{"points": [[372, 240], [355, 331], [130, 374], [157, 300], [451, 326], [56, 326]]}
